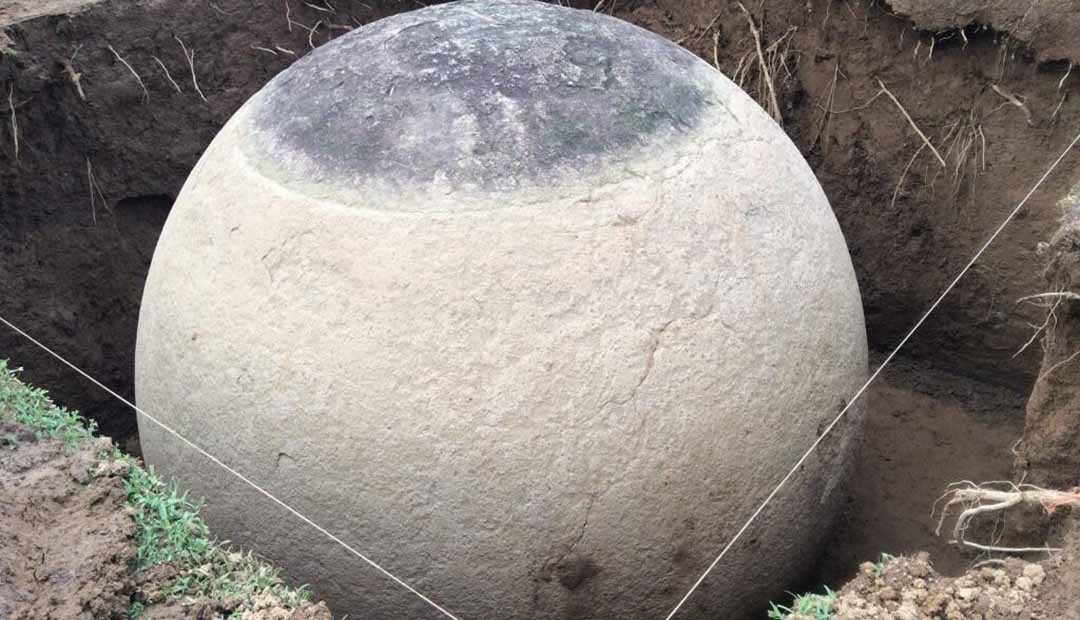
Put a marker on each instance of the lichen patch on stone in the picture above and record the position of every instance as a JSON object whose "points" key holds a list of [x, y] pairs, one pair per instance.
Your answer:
{"points": [[480, 95]]}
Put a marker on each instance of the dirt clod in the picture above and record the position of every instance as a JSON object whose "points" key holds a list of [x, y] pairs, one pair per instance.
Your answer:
{"points": [[65, 540], [909, 589]]}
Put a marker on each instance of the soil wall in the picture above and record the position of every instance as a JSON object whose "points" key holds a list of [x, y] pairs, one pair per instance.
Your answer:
{"points": [[1050, 451]]}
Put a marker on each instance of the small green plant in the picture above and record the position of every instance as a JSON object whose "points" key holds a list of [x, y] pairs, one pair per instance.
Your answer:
{"points": [[805, 607], [882, 561], [136, 610]]}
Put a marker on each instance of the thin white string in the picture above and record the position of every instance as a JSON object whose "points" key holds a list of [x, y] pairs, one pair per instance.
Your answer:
{"points": [[873, 376], [232, 471]]}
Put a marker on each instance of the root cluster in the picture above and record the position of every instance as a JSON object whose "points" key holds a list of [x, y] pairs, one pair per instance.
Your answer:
{"points": [[974, 500]]}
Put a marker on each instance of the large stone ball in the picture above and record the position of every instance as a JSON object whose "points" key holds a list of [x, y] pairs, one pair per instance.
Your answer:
{"points": [[526, 303]]}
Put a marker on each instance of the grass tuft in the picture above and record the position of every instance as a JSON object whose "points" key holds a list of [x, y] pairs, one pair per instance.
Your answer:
{"points": [[805, 607], [169, 529], [885, 558], [817, 606], [32, 407]]}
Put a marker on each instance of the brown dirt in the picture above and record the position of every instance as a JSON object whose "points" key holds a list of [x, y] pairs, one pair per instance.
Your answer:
{"points": [[1050, 453], [1059, 597], [906, 250], [65, 540], [909, 588], [1050, 26], [67, 545], [924, 430]]}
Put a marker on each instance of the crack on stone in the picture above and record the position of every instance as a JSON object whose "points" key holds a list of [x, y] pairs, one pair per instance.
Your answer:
{"points": [[584, 523], [654, 343], [279, 248], [650, 362], [569, 568]]}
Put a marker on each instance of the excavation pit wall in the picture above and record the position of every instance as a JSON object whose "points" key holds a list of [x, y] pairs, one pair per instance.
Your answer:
{"points": [[100, 161]]}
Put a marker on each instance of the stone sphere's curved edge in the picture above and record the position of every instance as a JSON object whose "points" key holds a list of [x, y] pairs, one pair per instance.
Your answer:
{"points": [[676, 323]]}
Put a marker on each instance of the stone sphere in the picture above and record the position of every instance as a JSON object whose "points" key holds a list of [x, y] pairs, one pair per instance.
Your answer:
{"points": [[529, 305]]}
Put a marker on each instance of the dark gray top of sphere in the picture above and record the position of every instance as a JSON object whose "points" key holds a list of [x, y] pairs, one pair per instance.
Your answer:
{"points": [[487, 93]]}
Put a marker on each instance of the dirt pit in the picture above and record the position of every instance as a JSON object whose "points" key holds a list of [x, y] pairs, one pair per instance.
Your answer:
{"points": [[993, 89], [925, 429]]}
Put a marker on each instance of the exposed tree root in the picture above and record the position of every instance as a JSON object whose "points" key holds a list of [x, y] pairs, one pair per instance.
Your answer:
{"points": [[769, 60], [974, 500], [190, 56], [168, 75], [138, 78], [911, 122], [73, 75], [14, 120]]}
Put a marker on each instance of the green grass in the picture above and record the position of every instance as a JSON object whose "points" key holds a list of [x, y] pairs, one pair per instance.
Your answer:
{"points": [[816, 606], [169, 529], [805, 607], [882, 561], [31, 407]]}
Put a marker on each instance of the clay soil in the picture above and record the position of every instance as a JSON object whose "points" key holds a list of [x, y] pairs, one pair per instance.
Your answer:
{"points": [[67, 546], [991, 88], [65, 540], [925, 429]]}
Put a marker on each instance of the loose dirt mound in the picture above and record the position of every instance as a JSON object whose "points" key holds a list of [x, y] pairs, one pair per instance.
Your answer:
{"points": [[15, 11], [65, 540], [910, 589]]}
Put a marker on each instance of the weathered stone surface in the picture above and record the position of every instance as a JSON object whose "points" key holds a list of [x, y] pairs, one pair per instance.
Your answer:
{"points": [[504, 110], [534, 376]]}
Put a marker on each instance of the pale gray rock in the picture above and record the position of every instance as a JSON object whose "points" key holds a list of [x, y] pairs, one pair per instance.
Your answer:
{"points": [[527, 304]]}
